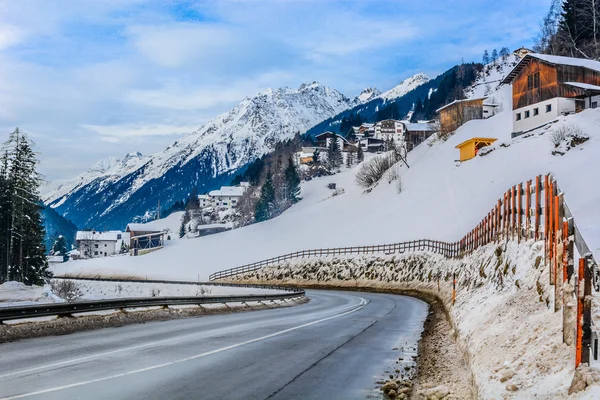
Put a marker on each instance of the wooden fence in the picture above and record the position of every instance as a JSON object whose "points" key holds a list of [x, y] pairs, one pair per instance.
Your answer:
{"points": [[535, 209]]}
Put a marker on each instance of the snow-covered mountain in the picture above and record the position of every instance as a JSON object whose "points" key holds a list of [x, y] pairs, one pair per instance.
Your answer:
{"points": [[405, 86], [366, 95], [115, 191]]}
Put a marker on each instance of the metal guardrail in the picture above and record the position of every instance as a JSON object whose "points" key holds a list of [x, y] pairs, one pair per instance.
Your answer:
{"points": [[119, 280], [62, 309]]}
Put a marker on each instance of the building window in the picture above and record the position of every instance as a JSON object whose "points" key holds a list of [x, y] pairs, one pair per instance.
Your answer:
{"points": [[548, 107], [95, 253], [118, 236], [518, 116], [527, 114], [594, 104], [536, 111], [533, 81], [96, 246], [104, 244]]}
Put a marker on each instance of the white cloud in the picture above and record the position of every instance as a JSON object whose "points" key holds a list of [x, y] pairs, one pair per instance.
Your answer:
{"points": [[118, 133]]}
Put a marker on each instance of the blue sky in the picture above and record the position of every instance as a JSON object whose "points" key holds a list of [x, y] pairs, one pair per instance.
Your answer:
{"points": [[91, 79]]}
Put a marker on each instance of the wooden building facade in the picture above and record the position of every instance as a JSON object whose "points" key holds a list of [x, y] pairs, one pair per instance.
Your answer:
{"points": [[455, 114], [545, 87]]}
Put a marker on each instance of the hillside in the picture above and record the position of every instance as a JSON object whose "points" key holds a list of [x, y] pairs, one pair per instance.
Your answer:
{"points": [[117, 191], [440, 200], [56, 225]]}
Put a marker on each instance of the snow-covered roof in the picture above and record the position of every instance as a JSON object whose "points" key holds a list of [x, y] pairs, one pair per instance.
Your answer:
{"points": [[228, 191], [560, 60], [459, 101], [203, 197], [95, 235], [584, 86], [416, 126]]}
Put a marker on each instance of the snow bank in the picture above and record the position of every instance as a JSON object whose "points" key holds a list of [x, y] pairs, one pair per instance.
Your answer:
{"points": [[503, 313]]}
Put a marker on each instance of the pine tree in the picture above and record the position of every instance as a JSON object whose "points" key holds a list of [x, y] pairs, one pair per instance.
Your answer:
{"points": [[265, 207], [334, 154], [494, 55], [5, 217], [193, 203], [25, 253], [349, 159], [504, 53], [316, 155], [292, 182], [486, 57], [182, 229], [360, 156], [60, 247]]}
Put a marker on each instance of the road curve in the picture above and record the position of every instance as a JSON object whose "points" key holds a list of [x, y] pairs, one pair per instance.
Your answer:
{"points": [[336, 347]]}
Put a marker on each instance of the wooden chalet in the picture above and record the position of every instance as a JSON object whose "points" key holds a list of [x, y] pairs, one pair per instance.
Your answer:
{"points": [[455, 114], [545, 87], [417, 133]]}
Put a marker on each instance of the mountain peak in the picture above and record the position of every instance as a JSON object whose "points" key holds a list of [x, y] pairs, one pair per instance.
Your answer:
{"points": [[405, 86], [367, 94]]}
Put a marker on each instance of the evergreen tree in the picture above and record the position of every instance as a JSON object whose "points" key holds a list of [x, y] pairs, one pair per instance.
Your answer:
{"points": [[182, 228], [60, 247], [349, 159], [486, 57], [494, 55], [292, 182], [360, 156], [24, 253], [193, 203], [316, 155], [334, 154], [504, 53], [265, 208]]}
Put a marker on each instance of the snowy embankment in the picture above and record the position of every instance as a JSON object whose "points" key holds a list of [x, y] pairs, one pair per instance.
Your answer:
{"points": [[441, 200], [503, 314], [17, 294]]}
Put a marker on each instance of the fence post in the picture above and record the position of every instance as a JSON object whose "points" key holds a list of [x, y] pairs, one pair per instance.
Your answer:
{"points": [[453, 288], [538, 190], [586, 341], [519, 213], [514, 211], [557, 260], [528, 210], [546, 212], [549, 238], [568, 306], [579, 322]]}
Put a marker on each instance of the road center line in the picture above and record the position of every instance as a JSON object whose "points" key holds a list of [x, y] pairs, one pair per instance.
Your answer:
{"points": [[106, 353], [362, 303]]}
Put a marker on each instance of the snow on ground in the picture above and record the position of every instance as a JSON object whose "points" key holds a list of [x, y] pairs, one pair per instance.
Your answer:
{"points": [[441, 199], [17, 294], [169, 224], [504, 313]]}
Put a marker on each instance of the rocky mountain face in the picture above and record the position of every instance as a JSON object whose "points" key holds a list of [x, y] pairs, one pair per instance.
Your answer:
{"points": [[117, 191]]}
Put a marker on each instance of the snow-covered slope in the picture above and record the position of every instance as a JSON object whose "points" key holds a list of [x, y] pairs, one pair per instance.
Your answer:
{"points": [[113, 192], [440, 200], [488, 85], [405, 86], [366, 95]]}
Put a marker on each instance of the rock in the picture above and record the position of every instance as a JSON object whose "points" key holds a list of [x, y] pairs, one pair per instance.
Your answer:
{"points": [[512, 388], [584, 377], [389, 386], [392, 394]]}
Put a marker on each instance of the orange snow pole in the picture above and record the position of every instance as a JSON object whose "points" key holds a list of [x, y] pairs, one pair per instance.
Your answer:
{"points": [[528, 210], [579, 335], [453, 288], [565, 260], [538, 190]]}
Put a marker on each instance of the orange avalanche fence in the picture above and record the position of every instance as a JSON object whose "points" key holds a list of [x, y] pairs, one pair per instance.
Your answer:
{"points": [[535, 209]]}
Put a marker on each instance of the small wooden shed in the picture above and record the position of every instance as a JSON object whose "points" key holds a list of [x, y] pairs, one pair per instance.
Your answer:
{"points": [[469, 148]]}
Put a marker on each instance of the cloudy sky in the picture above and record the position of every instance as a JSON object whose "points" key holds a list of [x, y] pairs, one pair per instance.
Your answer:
{"points": [[91, 79]]}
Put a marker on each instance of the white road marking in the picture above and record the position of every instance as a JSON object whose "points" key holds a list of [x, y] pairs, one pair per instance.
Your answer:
{"points": [[362, 303], [107, 353]]}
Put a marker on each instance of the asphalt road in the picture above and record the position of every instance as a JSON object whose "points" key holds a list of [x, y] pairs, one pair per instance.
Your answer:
{"points": [[337, 346]]}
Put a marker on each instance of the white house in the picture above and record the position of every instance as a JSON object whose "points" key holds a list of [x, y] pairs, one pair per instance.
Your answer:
{"points": [[227, 196], [389, 128], [94, 244], [204, 200], [545, 87]]}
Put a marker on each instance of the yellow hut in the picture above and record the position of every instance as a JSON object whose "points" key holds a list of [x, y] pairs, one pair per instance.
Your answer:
{"points": [[469, 148]]}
